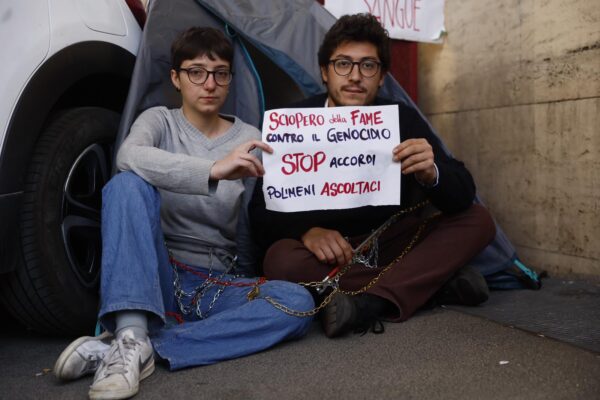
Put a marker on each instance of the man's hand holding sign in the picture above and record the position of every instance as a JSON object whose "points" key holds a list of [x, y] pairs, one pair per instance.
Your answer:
{"points": [[416, 156]]}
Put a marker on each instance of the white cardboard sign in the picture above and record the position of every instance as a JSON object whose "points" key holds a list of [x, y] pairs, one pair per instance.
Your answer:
{"points": [[416, 20], [331, 158]]}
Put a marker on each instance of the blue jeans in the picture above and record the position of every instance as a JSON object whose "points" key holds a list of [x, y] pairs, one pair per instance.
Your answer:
{"points": [[137, 275]]}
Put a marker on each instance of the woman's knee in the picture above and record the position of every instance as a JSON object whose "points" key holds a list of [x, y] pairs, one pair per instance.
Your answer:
{"points": [[127, 185], [128, 181], [300, 297]]}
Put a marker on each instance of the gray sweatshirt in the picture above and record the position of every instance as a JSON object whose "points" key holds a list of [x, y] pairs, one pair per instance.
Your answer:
{"points": [[203, 222]]}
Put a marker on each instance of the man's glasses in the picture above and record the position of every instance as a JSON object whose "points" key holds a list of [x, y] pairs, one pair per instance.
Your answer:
{"points": [[199, 75], [344, 67]]}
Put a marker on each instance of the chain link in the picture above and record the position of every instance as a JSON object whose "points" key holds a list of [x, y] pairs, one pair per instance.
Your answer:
{"points": [[199, 291], [371, 259], [408, 248], [372, 239], [336, 288], [371, 245], [336, 278], [301, 314]]}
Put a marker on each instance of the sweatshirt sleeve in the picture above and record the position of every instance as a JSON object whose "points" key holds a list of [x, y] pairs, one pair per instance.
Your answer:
{"points": [[455, 190], [178, 173]]}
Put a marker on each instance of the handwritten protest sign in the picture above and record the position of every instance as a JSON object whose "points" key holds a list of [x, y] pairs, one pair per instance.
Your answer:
{"points": [[331, 158], [416, 20]]}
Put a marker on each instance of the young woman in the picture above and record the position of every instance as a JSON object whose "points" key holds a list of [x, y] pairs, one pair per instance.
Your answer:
{"points": [[175, 237]]}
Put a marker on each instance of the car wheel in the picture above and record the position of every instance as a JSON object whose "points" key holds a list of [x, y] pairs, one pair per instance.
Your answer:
{"points": [[55, 289]]}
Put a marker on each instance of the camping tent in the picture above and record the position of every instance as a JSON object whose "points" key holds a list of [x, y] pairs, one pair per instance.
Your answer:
{"points": [[275, 63]]}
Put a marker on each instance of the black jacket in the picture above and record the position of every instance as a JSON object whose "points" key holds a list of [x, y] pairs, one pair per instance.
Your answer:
{"points": [[455, 191]]}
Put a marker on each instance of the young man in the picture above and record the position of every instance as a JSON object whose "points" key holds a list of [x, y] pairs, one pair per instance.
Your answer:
{"points": [[175, 234], [305, 246]]}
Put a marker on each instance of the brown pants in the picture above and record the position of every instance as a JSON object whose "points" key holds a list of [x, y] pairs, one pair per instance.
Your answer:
{"points": [[447, 244]]}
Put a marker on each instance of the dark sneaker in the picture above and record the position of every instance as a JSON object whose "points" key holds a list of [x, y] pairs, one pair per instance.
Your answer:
{"points": [[339, 316], [467, 287], [353, 313]]}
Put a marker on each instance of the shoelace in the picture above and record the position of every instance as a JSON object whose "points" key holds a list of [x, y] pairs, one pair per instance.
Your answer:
{"points": [[368, 317], [116, 363], [375, 326]]}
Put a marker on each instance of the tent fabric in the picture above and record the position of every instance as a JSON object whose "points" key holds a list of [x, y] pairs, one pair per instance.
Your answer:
{"points": [[275, 63]]}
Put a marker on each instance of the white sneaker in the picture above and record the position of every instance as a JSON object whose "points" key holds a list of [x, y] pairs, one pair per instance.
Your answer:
{"points": [[128, 362], [82, 357]]}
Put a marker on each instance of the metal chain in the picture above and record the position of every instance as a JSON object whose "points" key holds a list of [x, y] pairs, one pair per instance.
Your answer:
{"points": [[198, 293], [336, 288], [380, 231], [371, 259], [336, 278], [408, 248], [297, 313], [359, 258], [220, 290]]}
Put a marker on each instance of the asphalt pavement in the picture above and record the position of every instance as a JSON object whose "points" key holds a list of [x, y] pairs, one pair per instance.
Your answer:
{"points": [[438, 354]]}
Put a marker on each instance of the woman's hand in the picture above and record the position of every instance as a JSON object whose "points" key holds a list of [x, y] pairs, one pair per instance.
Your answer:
{"points": [[240, 163]]}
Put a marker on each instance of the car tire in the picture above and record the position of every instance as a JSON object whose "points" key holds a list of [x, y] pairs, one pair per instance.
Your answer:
{"points": [[54, 290]]}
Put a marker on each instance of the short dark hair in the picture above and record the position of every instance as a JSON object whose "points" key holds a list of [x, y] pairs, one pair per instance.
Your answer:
{"points": [[199, 41], [356, 28]]}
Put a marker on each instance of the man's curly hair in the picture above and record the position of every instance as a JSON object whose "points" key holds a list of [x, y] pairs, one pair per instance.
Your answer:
{"points": [[356, 28]]}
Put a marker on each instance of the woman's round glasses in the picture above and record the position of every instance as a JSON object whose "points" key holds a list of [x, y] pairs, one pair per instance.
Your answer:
{"points": [[199, 75]]}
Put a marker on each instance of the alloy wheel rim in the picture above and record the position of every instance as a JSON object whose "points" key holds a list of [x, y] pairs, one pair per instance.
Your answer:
{"points": [[81, 206]]}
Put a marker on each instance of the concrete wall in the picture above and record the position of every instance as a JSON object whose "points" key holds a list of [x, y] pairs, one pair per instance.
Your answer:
{"points": [[515, 93]]}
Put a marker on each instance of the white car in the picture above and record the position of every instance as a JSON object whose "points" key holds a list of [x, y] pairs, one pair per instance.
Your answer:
{"points": [[64, 80]]}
